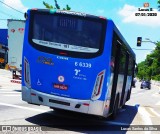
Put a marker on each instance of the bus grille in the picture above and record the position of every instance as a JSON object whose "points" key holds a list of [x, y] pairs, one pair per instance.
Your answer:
{"points": [[59, 102]]}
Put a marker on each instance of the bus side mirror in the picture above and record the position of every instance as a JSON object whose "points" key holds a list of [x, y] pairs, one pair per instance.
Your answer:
{"points": [[136, 70], [139, 41], [25, 15]]}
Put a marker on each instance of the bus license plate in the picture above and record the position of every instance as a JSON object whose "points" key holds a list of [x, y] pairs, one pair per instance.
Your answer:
{"points": [[60, 86]]}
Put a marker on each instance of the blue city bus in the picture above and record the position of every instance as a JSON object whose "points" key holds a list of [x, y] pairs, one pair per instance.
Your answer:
{"points": [[75, 61]]}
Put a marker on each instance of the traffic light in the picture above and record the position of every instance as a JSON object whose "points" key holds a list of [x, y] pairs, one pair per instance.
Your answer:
{"points": [[139, 41]]}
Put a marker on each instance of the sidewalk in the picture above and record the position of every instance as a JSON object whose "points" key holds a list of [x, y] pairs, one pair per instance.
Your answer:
{"points": [[5, 80], [156, 83]]}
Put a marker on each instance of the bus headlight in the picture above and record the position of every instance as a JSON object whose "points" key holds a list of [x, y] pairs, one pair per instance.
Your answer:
{"points": [[97, 90]]}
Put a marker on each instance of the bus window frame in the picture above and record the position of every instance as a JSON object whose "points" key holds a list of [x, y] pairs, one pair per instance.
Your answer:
{"points": [[66, 52]]}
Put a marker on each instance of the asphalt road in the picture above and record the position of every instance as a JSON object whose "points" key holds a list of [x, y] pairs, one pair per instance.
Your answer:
{"points": [[142, 109]]}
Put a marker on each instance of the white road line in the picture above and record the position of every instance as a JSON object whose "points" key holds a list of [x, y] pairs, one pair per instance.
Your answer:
{"points": [[22, 107], [140, 93], [154, 112], [156, 95], [145, 117], [12, 95], [10, 92], [5, 90], [158, 103]]}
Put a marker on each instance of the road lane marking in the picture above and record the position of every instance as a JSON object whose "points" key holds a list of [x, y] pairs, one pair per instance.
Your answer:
{"points": [[156, 95], [140, 93], [145, 117], [137, 93], [10, 92], [12, 95], [22, 107], [158, 103], [154, 112]]}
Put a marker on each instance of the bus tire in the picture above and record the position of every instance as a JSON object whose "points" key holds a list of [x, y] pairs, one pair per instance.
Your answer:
{"points": [[115, 110]]}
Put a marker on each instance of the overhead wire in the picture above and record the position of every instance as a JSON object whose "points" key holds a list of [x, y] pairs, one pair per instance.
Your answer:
{"points": [[4, 13], [11, 7]]}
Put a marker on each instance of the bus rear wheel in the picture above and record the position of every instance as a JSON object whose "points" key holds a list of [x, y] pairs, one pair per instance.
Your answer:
{"points": [[115, 110]]}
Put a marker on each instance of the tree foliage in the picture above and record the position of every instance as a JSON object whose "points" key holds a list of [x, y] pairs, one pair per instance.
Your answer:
{"points": [[48, 6], [158, 4], [150, 68]]}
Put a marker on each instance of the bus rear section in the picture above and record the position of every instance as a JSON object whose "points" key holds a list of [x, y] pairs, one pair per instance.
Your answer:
{"points": [[63, 61]]}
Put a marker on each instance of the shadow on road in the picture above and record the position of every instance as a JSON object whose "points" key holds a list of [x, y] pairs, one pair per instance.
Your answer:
{"points": [[71, 121], [18, 90]]}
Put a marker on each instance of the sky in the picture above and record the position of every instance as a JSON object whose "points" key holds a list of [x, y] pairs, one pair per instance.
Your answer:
{"points": [[122, 12]]}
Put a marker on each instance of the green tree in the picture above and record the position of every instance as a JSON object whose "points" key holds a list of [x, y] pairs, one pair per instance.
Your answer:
{"points": [[158, 4], [150, 68], [48, 6]]}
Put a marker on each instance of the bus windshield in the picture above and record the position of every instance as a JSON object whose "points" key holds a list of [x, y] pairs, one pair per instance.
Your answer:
{"points": [[67, 33]]}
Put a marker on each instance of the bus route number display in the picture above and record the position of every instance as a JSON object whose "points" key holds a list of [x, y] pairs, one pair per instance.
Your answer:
{"points": [[67, 23]]}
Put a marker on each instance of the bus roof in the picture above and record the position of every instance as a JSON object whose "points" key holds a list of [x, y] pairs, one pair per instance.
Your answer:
{"points": [[67, 12]]}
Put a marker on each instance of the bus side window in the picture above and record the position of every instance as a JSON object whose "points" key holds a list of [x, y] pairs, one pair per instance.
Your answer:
{"points": [[122, 62], [112, 63], [130, 66], [113, 54]]}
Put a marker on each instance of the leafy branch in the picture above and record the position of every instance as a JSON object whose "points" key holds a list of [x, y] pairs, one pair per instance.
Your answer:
{"points": [[158, 4], [48, 6]]}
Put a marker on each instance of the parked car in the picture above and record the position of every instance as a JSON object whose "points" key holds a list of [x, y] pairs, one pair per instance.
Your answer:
{"points": [[146, 84]]}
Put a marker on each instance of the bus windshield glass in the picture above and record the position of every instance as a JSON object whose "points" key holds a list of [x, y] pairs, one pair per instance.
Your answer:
{"points": [[68, 33]]}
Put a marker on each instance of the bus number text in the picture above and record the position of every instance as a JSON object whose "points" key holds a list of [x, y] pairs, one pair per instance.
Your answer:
{"points": [[83, 64]]}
